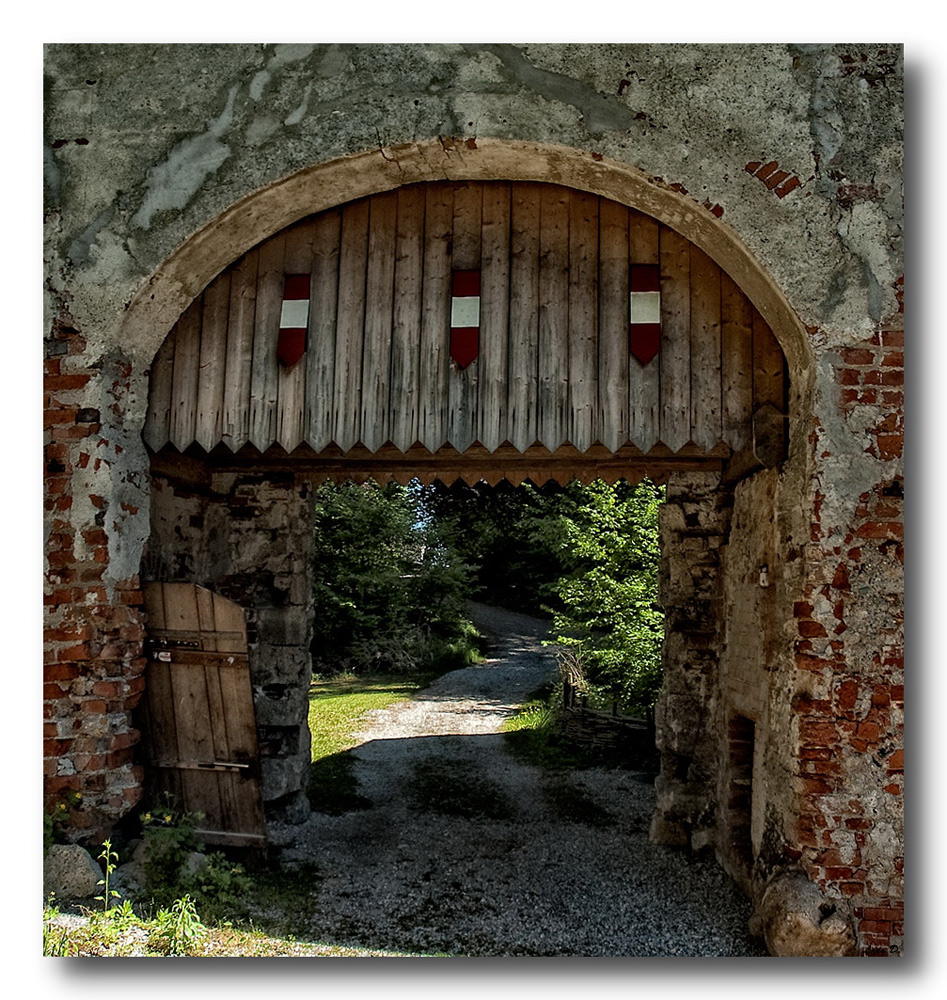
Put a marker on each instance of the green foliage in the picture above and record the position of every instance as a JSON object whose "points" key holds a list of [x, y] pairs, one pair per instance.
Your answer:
{"points": [[170, 839], [609, 615], [109, 859], [388, 592], [510, 536], [178, 929], [217, 886], [587, 554]]}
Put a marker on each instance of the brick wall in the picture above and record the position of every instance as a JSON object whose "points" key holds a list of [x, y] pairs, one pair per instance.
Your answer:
{"points": [[850, 644], [93, 663]]}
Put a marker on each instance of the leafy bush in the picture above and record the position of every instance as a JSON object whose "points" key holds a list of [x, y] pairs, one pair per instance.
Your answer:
{"points": [[218, 886]]}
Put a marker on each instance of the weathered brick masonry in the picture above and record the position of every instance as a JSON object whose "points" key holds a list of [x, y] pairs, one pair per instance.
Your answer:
{"points": [[781, 722]]}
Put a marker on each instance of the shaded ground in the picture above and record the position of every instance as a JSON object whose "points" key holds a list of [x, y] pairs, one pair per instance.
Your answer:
{"points": [[461, 849]]}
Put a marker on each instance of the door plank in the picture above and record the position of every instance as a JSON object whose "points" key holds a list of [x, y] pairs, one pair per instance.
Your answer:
{"points": [[158, 422], [553, 347], [736, 333], [494, 315], [264, 377], [186, 364], [323, 307], [675, 340], [435, 317], [350, 326], [524, 316], [379, 294], [235, 423], [583, 320], [213, 359], [706, 427], [613, 355], [406, 317]]}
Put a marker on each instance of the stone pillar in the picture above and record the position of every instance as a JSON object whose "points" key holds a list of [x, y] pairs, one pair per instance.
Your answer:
{"points": [[248, 537], [693, 523]]}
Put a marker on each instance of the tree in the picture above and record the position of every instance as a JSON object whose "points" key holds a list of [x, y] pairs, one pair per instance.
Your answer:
{"points": [[609, 615], [387, 591]]}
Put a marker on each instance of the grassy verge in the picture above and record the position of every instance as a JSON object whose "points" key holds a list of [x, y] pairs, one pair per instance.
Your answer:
{"points": [[337, 709]]}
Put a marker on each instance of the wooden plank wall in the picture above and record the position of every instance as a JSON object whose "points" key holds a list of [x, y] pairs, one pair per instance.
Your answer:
{"points": [[554, 366]]}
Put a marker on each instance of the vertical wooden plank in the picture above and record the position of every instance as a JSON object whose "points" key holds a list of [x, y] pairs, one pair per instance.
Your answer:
{"points": [[162, 729], [768, 381], [235, 424], [241, 722], [406, 317], [706, 428], [213, 359], [435, 317], [350, 325], [524, 315], [736, 333], [157, 431], [291, 383], [553, 346], [323, 306], [217, 717], [645, 246], [675, 339], [264, 375], [613, 357], [494, 315], [187, 355], [379, 292], [583, 319], [462, 384], [189, 690]]}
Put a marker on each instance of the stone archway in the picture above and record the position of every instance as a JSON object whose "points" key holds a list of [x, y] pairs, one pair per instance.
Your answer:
{"points": [[204, 490]]}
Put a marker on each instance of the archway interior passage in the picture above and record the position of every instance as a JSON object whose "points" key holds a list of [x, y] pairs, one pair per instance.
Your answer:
{"points": [[554, 374]]}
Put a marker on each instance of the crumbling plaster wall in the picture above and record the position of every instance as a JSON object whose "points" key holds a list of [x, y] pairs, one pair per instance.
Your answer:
{"points": [[793, 152]]}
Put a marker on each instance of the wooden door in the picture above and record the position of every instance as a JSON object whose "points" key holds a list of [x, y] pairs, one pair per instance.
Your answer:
{"points": [[197, 723]]}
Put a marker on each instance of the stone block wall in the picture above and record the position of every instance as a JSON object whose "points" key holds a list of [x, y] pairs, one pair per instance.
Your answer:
{"points": [[248, 538]]}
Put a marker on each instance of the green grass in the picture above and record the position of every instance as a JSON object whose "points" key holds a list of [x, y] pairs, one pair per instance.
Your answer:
{"points": [[337, 709], [139, 937]]}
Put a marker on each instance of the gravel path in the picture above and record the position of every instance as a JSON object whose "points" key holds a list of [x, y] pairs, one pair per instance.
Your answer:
{"points": [[467, 851]]}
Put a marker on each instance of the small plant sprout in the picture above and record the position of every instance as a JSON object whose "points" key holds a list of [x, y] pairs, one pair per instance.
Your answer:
{"points": [[109, 857]]}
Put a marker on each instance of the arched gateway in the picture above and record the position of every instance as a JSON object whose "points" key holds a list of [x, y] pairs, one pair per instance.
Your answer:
{"points": [[475, 329], [772, 207]]}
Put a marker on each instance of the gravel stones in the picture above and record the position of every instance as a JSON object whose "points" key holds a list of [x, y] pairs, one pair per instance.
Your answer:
{"points": [[467, 851]]}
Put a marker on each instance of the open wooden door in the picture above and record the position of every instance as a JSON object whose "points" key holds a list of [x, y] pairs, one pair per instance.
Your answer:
{"points": [[198, 729]]}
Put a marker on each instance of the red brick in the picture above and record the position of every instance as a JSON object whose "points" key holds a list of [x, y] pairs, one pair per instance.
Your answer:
{"points": [[811, 629], [892, 378], [896, 761], [789, 185], [893, 359], [57, 383], [818, 733], [892, 338], [857, 356]]}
